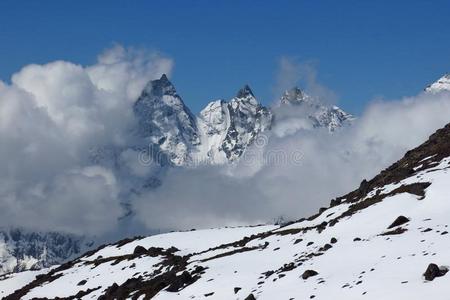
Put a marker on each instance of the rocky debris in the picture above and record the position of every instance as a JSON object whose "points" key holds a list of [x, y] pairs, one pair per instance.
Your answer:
{"points": [[333, 240], [237, 289], [434, 271], [250, 297], [325, 247], [297, 241], [399, 221], [309, 273]]}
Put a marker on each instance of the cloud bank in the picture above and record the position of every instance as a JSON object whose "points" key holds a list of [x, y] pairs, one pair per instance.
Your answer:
{"points": [[297, 171], [53, 115], [50, 117]]}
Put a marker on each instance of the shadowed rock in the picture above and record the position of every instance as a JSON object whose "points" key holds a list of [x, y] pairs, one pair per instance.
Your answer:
{"points": [[434, 271]]}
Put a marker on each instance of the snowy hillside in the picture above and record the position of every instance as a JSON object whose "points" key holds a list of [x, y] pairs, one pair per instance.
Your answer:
{"points": [[388, 239]]}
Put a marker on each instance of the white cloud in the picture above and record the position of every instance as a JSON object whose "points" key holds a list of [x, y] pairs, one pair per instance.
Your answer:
{"points": [[50, 117]]}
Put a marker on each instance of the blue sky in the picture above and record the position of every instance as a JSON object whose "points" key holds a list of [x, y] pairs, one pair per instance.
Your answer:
{"points": [[362, 49]]}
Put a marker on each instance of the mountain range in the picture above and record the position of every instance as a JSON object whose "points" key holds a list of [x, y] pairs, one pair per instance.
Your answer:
{"points": [[219, 134], [387, 239], [222, 130]]}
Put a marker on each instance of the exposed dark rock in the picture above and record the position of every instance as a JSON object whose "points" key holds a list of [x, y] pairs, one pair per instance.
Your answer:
{"points": [[333, 240], [179, 281], [139, 250], [434, 271], [399, 221], [309, 273], [250, 297], [157, 251], [82, 282], [237, 289], [298, 241], [398, 230]]}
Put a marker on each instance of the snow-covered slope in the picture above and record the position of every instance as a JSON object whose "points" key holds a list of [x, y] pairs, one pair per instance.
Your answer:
{"points": [[315, 113], [23, 250], [388, 239], [227, 129], [442, 84]]}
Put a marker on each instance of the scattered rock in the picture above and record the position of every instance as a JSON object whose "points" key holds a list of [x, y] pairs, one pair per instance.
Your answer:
{"points": [[139, 250], [434, 271], [309, 273], [298, 241], [327, 247], [399, 221], [82, 282], [333, 240], [209, 294], [357, 239], [250, 297], [180, 281], [398, 230], [237, 289]]}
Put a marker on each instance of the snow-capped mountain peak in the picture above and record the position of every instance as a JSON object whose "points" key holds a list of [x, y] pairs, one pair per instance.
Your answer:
{"points": [[310, 111], [294, 96], [245, 92], [164, 120], [228, 128], [442, 84]]}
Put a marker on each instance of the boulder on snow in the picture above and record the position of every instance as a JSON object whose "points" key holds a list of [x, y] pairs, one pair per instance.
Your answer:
{"points": [[434, 271], [309, 273], [139, 250], [399, 221], [250, 297]]}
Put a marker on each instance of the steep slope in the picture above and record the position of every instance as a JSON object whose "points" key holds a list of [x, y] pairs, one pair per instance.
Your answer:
{"points": [[388, 239], [227, 129], [23, 250], [316, 113], [442, 84], [164, 120]]}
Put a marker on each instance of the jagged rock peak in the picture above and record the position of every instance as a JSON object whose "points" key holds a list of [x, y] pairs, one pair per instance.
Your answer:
{"points": [[164, 120], [294, 96], [245, 92], [160, 87]]}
